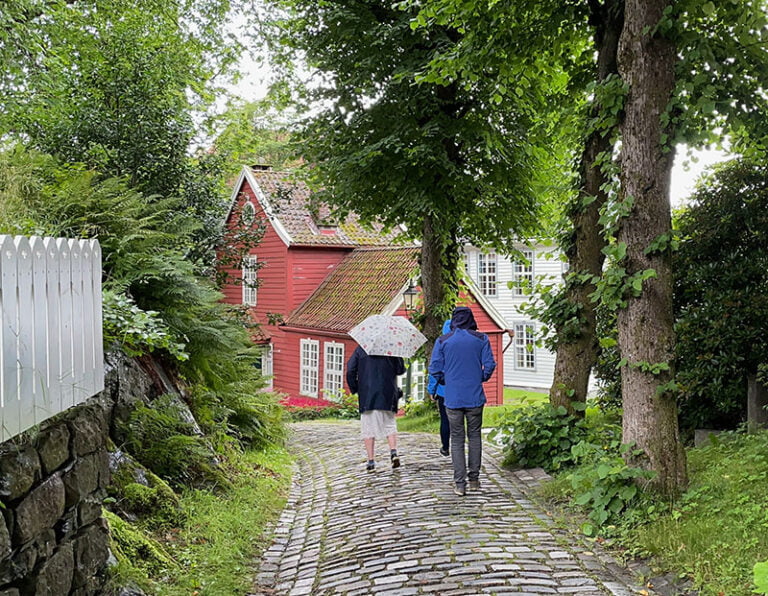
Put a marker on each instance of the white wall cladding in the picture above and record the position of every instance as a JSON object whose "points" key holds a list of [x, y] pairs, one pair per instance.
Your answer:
{"points": [[547, 268], [50, 328]]}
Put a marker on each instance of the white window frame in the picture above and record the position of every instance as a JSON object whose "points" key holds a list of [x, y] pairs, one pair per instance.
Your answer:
{"points": [[250, 275], [487, 272], [309, 367], [418, 379], [525, 345], [522, 272], [267, 365], [333, 367]]}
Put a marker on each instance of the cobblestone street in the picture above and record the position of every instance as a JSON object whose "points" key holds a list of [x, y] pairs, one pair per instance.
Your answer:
{"points": [[402, 532]]}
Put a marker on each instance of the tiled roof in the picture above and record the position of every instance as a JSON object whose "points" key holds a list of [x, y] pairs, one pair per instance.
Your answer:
{"points": [[363, 284], [311, 224]]}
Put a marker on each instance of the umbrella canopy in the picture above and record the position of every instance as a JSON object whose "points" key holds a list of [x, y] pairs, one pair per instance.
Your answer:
{"points": [[385, 335]]}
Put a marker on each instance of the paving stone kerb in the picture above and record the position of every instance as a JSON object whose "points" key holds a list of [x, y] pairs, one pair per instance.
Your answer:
{"points": [[402, 532]]}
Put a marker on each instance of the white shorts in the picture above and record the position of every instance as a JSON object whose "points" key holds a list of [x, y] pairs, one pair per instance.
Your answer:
{"points": [[377, 424]]}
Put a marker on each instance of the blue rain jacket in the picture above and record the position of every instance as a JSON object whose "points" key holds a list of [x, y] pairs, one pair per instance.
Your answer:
{"points": [[433, 388], [462, 360]]}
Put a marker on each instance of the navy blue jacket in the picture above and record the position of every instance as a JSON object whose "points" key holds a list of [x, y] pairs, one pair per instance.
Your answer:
{"points": [[374, 379], [462, 360]]}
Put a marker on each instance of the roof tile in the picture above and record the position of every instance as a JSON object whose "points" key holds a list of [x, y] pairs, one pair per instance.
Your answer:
{"points": [[363, 284], [310, 223]]}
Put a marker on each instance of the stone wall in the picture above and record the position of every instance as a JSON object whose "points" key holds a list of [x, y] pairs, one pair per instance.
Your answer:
{"points": [[52, 482], [53, 538]]}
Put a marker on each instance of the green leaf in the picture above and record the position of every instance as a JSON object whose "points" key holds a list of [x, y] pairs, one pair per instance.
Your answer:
{"points": [[627, 493], [760, 572]]}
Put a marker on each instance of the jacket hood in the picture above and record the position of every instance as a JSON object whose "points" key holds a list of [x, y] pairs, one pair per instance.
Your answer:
{"points": [[463, 319]]}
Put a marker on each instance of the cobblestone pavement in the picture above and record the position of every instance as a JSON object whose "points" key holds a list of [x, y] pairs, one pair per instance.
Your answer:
{"points": [[401, 532]]}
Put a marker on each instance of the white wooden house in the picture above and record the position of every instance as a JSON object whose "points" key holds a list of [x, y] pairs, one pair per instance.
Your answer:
{"points": [[526, 365]]}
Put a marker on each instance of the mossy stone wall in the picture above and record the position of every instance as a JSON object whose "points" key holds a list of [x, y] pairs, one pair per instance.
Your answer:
{"points": [[54, 539]]}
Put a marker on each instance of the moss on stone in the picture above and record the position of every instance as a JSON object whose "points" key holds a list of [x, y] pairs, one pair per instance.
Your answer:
{"points": [[158, 505], [132, 546]]}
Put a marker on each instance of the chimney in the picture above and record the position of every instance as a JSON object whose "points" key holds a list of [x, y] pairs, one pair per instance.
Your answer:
{"points": [[261, 167]]}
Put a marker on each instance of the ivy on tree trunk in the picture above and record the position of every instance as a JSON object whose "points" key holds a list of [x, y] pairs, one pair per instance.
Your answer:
{"points": [[576, 355], [646, 338]]}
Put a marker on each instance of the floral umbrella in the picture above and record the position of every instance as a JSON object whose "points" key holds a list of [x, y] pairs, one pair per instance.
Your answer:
{"points": [[385, 335]]}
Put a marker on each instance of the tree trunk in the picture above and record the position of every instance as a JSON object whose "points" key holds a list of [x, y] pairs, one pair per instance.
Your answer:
{"points": [[646, 339], [757, 404], [432, 283], [577, 355]]}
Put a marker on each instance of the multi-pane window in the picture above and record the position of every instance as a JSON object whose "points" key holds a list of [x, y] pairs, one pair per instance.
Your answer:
{"points": [[486, 274], [249, 280], [522, 272], [416, 376], [266, 365], [309, 367], [525, 346], [333, 378], [418, 379]]}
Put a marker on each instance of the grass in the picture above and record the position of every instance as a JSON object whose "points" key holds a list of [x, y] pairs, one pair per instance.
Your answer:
{"points": [[718, 530], [216, 549], [520, 397], [715, 532], [513, 399], [424, 417]]}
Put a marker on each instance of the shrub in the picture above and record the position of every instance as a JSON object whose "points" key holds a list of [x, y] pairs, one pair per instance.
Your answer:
{"points": [[603, 483], [163, 441], [721, 301], [540, 437]]}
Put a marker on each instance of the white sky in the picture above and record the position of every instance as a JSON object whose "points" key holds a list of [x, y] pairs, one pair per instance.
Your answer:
{"points": [[685, 173]]}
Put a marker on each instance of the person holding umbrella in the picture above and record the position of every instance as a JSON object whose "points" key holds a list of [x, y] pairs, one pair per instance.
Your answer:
{"points": [[372, 373]]}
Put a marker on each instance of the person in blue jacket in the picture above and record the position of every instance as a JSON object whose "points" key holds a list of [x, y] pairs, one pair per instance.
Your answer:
{"points": [[462, 360], [374, 379], [437, 393]]}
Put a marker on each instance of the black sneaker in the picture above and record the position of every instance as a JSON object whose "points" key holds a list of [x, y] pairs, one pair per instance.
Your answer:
{"points": [[460, 490], [444, 452], [395, 462], [370, 466]]}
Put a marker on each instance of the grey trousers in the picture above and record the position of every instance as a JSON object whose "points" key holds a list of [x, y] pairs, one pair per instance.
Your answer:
{"points": [[473, 418]]}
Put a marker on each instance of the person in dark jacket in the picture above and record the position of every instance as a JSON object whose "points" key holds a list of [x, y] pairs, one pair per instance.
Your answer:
{"points": [[462, 360], [436, 392], [374, 380]]}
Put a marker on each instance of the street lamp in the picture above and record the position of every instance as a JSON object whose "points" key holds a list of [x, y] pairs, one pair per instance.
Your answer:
{"points": [[409, 297]]}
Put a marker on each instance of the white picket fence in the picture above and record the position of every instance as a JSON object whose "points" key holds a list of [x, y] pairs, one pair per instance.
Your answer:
{"points": [[52, 356]]}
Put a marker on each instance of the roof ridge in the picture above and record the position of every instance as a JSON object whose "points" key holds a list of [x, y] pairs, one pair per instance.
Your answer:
{"points": [[385, 247]]}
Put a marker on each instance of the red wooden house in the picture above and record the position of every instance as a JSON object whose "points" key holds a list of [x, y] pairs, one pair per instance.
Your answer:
{"points": [[318, 278]]}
